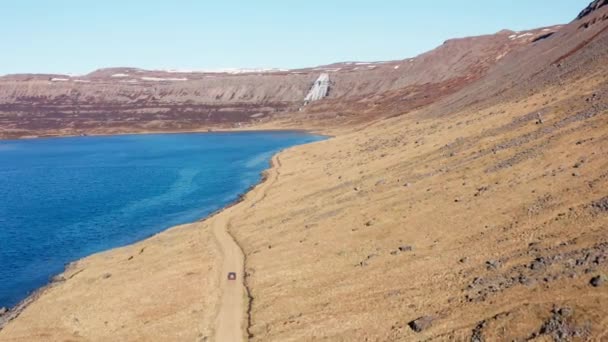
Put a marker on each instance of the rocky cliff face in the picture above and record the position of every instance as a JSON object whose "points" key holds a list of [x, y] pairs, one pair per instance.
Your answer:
{"points": [[593, 6], [133, 100]]}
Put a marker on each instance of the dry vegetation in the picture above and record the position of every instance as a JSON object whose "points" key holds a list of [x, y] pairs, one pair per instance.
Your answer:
{"points": [[487, 222]]}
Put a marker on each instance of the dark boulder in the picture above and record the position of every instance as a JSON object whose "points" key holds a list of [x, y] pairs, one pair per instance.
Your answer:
{"points": [[406, 248], [597, 281], [493, 264], [422, 323]]}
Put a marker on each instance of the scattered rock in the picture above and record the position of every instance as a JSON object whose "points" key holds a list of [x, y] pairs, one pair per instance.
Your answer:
{"points": [[565, 312], [525, 280], [477, 334], [575, 174], [477, 281], [539, 120], [106, 275], [580, 142], [561, 327], [551, 268], [481, 190], [363, 263], [493, 264], [538, 263], [406, 248], [463, 260], [407, 185], [597, 281], [601, 205], [422, 323]]}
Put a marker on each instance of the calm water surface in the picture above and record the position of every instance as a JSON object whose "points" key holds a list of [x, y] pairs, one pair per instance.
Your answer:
{"points": [[64, 198]]}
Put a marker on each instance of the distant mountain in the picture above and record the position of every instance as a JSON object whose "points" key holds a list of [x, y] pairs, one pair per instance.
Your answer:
{"points": [[135, 100]]}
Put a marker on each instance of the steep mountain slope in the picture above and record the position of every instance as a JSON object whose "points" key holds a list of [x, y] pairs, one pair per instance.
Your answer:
{"points": [[133, 100], [576, 50], [482, 217]]}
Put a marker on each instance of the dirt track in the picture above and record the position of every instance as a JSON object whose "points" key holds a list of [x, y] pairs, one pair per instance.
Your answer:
{"points": [[230, 314], [229, 323]]}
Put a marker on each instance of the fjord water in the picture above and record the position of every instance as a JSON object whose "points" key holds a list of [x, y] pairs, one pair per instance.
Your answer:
{"points": [[64, 198]]}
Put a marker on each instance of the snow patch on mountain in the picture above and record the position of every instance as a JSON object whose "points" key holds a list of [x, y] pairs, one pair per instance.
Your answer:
{"points": [[165, 79]]}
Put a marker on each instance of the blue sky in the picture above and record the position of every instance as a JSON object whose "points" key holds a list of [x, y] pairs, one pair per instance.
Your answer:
{"points": [[78, 36]]}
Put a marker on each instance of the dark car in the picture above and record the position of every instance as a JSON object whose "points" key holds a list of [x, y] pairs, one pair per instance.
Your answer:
{"points": [[231, 275]]}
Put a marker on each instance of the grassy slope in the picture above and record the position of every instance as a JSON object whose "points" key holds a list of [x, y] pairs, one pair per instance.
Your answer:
{"points": [[476, 194]]}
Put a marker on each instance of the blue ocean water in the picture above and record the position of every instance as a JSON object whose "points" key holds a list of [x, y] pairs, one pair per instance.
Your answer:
{"points": [[64, 198]]}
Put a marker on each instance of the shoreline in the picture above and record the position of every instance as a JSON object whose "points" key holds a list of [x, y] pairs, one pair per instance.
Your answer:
{"points": [[202, 131], [13, 312]]}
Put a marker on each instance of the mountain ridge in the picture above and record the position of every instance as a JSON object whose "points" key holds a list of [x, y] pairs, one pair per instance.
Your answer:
{"points": [[123, 100]]}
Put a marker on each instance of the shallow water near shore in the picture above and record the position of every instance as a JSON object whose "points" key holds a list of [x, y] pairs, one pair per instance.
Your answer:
{"points": [[64, 198]]}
